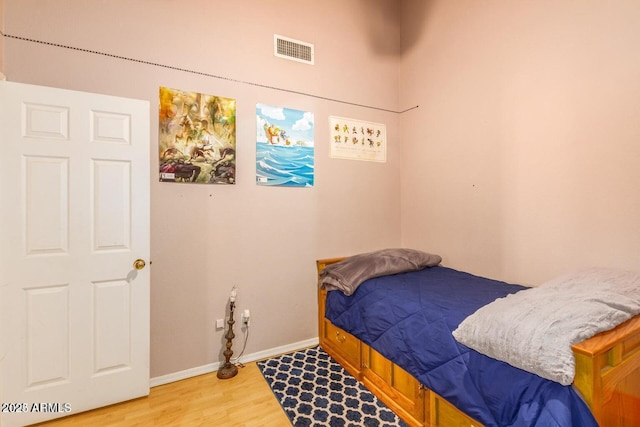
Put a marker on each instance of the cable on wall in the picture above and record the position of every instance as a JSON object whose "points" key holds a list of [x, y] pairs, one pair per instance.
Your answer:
{"points": [[200, 73]]}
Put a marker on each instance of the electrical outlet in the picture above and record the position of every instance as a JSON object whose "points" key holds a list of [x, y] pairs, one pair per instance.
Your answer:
{"points": [[219, 323], [246, 316]]}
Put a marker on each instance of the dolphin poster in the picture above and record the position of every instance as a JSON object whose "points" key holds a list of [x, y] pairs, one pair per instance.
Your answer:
{"points": [[284, 147]]}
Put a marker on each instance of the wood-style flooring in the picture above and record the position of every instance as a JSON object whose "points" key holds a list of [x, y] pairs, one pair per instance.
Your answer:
{"points": [[242, 401]]}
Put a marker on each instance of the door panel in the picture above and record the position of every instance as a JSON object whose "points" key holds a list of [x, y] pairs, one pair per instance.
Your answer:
{"points": [[112, 317], [74, 319], [111, 205], [47, 335], [46, 204], [48, 122]]}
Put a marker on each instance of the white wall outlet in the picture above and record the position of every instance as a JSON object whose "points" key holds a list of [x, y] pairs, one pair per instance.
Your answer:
{"points": [[219, 323], [246, 315]]}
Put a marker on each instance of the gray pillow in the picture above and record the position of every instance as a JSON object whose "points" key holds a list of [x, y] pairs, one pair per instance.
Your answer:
{"points": [[534, 329]]}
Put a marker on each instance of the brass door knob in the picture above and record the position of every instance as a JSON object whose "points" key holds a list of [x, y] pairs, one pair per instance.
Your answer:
{"points": [[139, 264]]}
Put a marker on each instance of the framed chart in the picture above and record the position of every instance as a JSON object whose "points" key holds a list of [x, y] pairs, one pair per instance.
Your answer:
{"points": [[357, 140]]}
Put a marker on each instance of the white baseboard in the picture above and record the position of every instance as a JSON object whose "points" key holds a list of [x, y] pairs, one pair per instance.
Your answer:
{"points": [[212, 367]]}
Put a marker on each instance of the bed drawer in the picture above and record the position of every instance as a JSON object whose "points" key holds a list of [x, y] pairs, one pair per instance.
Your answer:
{"points": [[346, 347], [444, 414], [396, 387]]}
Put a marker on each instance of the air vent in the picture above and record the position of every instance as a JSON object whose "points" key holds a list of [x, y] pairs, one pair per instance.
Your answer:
{"points": [[295, 50]]}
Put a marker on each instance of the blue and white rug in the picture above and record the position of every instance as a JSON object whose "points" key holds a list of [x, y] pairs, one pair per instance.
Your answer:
{"points": [[315, 391]]}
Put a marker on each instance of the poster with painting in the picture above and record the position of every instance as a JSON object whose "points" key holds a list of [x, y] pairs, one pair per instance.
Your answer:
{"points": [[197, 137], [284, 148], [357, 139]]}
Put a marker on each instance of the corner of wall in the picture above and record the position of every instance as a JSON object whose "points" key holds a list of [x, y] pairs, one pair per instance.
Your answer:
{"points": [[2, 77]]}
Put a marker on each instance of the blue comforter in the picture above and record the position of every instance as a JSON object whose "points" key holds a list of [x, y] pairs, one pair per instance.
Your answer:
{"points": [[409, 317]]}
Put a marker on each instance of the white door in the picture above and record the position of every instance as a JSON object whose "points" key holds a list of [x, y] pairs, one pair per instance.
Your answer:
{"points": [[74, 217]]}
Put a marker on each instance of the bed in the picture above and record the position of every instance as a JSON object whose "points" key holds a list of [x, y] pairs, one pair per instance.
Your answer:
{"points": [[605, 388]]}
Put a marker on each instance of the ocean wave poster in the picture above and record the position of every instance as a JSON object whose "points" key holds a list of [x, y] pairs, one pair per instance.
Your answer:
{"points": [[284, 147]]}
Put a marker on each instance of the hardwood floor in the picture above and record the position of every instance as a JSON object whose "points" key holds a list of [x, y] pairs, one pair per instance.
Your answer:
{"points": [[242, 401]]}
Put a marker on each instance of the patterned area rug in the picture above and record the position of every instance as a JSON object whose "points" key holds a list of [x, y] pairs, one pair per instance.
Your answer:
{"points": [[315, 391]]}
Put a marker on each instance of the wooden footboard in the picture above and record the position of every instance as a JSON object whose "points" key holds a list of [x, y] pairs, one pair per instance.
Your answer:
{"points": [[607, 375]]}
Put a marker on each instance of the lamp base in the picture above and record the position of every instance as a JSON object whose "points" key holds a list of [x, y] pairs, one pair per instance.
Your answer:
{"points": [[228, 370]]}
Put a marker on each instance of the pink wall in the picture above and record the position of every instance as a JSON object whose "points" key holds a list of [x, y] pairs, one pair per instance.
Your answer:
{"points": [[205, 239], [1, 38], [522, 161]]}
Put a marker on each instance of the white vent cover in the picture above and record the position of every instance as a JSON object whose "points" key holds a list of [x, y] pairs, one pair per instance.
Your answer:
{"points": [[295, 50]]}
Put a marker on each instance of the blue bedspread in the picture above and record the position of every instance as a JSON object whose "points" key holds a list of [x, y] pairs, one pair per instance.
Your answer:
{"points": [[409, 317]]}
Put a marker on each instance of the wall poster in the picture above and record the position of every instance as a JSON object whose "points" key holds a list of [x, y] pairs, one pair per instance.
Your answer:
{"points": [[284, 147], [357, 140], [197, 137]]}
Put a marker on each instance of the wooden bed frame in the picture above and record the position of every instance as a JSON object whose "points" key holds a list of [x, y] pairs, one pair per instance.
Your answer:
{"points": [[607, 375]]}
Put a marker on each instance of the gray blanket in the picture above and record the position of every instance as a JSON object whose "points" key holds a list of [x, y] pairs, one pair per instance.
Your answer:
{"points": [[534, 329], [349, 273]]}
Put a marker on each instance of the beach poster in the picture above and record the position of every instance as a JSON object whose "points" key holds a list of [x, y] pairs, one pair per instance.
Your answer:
{"points": [[284, 147], [197, 137]]}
